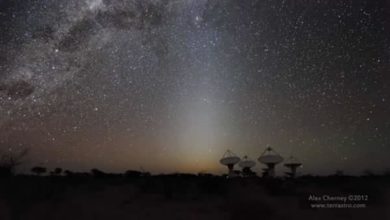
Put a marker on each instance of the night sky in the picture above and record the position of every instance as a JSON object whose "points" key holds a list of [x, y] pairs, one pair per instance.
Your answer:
{"points": [[170, 85]]}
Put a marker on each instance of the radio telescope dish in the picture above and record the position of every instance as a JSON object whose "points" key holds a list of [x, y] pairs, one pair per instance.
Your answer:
{"points": [[270, 158], [246, 164], [229, 159], [293, 164]]}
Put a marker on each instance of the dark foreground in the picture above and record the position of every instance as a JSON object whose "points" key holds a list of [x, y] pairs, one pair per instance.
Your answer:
{"points": [[192, 197]]}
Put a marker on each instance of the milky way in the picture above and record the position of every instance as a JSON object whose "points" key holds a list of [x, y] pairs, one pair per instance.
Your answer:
{"points": [[170, 85]]}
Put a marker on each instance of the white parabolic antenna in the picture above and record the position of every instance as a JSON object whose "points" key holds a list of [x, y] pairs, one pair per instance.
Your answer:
{"points": [[269, 156], [229, 158], [292, 162], [247, 163]]}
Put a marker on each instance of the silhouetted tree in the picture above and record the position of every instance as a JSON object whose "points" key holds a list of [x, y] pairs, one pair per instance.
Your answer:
{"points": [[56, 172], [68, 173], [10, 160], [38, 170], [203, 174], [339, 173], [368, 172], [132, 173], [98, 173]]}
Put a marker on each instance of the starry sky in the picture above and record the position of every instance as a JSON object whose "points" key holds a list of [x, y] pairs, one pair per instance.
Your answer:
{"points": [[170, 85]]}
